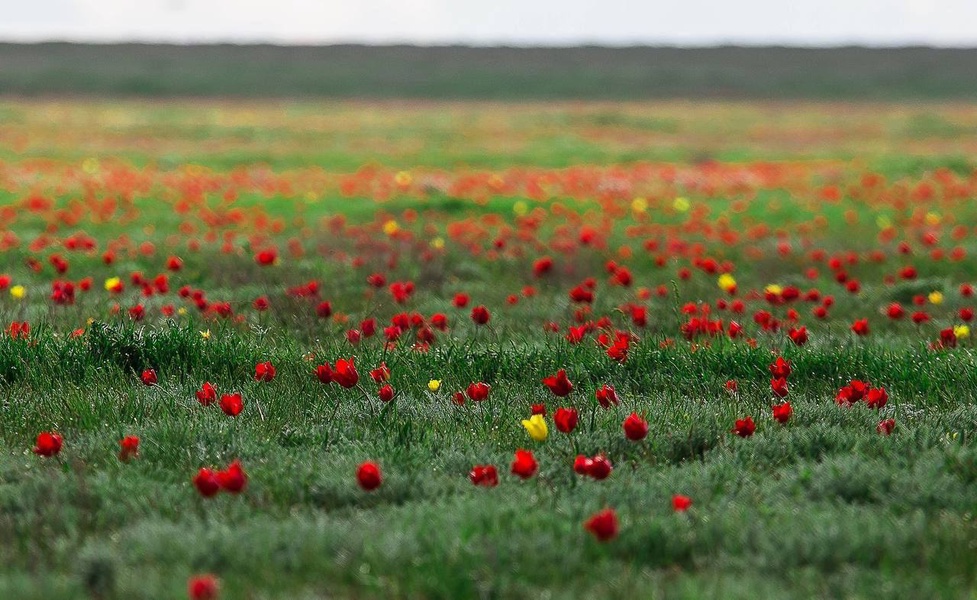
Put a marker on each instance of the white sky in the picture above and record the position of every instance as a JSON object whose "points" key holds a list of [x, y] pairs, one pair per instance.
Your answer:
{"points": [[804, 22]]}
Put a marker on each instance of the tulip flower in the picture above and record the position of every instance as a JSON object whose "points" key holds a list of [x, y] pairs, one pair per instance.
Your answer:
{"points": [[368, 476], [603, 525], [524, 464], [681, 503], [203, 587], [48, 444], [536, 427]]}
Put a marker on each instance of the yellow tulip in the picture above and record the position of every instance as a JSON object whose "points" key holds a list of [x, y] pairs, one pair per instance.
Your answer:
{"points": [[936, 298], [681, 204], [434, 385], [391, 227], [112, 283], [727, 282], [961, 331], [18, 291], [639, 205], [536, 427]]}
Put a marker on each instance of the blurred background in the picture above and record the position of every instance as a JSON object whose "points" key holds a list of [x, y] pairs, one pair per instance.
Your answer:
{"points": [[445, 49]]}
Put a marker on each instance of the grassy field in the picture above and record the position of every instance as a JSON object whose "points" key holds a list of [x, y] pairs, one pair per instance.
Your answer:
{"points": [[672, 251]]}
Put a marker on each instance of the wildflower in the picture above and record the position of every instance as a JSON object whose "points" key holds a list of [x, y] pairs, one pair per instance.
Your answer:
{"points": [[681, 503], [368, 476], [206, 483], [876, 398], [434, 385], [798, 335], [205, 335], [264, 372], [129, 448], [149, 377], [381, 373], [345, 373], [780, 368], [727, 283], [603, 525], [524, 464], [599, 467], [48, 444], [536, 427], [635, 428], [744, 427], [480, 315], [203, 587], [484, 475], [232, 479], [478, 391], [114, 285], [782, 412], [559, 384], [606, 396], [565, 419], [232, 404], [207, 394]]}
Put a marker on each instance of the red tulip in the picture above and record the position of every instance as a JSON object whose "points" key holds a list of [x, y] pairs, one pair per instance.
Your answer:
{"points": [[635, 428], [565, 419], [129, 448], [603, 525], [386, 393], [203, 587], [780, 368], [345, 373], [744, 427], [206, 483], [782, 412], [264, 372], [606, 396], [681, 503], [484, 475], [480, 315], [600, 467], [582, 464], [798, 335], [877, 398], [207, 394], [381, 373], [559, 384], [368, 476], [779, 387], [48, 444], [149, 377], [232, 404], [860, 327], [886, 426], [524, 465], [232, 479], [478, 391]]}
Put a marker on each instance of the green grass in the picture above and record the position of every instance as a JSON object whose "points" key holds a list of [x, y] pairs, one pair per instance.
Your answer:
{"points": [[822, 506]]}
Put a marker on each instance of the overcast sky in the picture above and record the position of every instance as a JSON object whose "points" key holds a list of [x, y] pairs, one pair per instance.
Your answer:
{"points": [[807, 22]]}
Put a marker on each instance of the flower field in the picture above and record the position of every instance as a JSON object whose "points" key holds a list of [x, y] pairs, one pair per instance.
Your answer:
{"points": [[303, 350]]}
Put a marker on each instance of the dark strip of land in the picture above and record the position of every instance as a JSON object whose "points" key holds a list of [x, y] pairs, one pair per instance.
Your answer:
{"points": [[500, 73]]}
